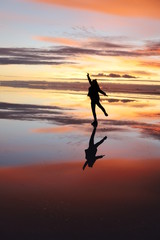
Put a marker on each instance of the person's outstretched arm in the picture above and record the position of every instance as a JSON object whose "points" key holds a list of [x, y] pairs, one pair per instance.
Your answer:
{"points": [[100, 156], [84, 166], [102, 92], [89, 78]]}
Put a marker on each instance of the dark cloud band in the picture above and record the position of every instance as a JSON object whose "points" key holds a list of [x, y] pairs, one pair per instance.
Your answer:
{"points": [[64, 54]]}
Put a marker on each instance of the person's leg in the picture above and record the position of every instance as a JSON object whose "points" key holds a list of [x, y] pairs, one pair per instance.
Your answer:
{"points": [[102, 108], [93, 106], [91, 141], [100, 142]]}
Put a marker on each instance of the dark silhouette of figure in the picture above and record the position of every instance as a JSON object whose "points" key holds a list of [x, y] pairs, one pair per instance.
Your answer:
{"points": [[90, 152], [93, 91]]}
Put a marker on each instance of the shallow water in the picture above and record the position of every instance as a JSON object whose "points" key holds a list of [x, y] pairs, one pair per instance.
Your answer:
{"points": [[45, 194], [36, 135]]}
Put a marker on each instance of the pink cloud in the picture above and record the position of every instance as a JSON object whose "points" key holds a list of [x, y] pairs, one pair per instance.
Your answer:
{"points": [[153, 64], [63, 41]]}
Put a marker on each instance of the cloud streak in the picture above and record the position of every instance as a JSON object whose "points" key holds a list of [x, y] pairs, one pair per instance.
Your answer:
{"points": [[153, 64], [114, 100], [118, 7], [82, 86], [30, 56], [64, 54], [113, 75], [58, 129], [146, 129], [38, 112], [61, 41]]}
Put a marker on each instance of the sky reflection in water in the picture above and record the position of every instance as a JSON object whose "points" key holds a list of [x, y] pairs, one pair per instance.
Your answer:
{"points": [[36, 134]]}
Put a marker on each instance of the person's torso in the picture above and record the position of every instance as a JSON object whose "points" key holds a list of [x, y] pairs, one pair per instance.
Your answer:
{"points": [[93, 93]]}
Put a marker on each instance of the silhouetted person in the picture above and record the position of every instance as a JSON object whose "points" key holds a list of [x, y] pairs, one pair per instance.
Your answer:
{"points": [[93, 91], [90, 152]]}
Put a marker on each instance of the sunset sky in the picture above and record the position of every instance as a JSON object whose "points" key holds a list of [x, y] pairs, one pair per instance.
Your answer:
{"points": [[50, 39]]}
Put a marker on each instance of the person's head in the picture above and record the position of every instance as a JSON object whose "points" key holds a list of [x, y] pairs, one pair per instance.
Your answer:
{"points": [[95, 82]]}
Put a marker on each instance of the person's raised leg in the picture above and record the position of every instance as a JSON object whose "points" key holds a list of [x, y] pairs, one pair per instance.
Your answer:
{"points": [[100, 142], [102, 108]]}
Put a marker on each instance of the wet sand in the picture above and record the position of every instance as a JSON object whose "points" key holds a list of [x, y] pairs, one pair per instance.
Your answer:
{"points": [[117, 200]]}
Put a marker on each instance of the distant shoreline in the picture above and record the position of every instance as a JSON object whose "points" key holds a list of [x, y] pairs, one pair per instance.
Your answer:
{"points": [[83, 86]]}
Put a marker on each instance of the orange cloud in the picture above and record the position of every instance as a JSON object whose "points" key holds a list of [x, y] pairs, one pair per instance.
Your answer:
{"points": [[153, 64], [64, 41], [143, 8]]}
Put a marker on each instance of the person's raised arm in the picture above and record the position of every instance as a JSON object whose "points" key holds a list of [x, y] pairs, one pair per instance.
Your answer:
{"points": [[89, 78]]}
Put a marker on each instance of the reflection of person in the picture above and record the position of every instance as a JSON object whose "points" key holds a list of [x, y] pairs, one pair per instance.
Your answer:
{"points": [[93, 91], [91, 151]]}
